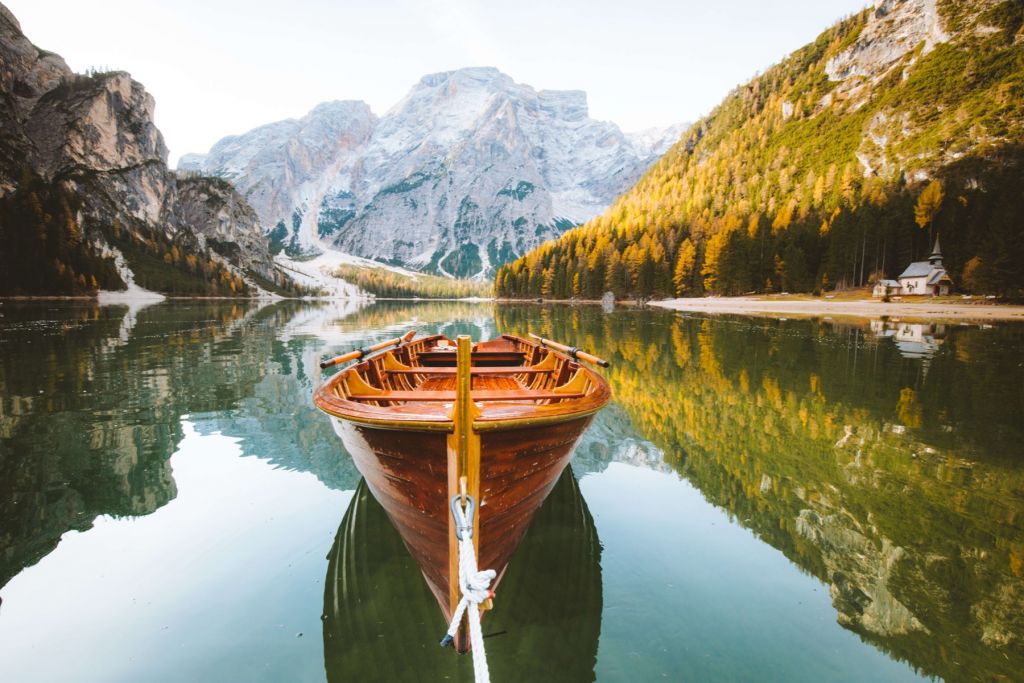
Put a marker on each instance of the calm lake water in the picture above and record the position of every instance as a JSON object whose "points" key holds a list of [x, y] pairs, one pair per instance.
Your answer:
{"points": [[765, 500]]}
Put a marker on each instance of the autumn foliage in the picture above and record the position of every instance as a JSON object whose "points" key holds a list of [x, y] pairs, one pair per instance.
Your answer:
{"points": [[786, 187]]}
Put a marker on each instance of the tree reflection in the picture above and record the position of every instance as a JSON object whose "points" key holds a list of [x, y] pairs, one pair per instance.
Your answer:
{"points": [[900, 488]]}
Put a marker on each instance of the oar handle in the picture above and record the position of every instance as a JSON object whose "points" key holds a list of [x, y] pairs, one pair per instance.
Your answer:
{"points": [[572, 351], [359, 353]]}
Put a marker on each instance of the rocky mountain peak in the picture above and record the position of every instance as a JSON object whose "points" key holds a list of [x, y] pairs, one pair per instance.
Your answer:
{"points": [[469, 169], [341, 108], [102, 122], [469, 76]]}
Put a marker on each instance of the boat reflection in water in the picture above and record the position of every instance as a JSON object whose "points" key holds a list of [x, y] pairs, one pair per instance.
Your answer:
{"points": [[381, 620]]}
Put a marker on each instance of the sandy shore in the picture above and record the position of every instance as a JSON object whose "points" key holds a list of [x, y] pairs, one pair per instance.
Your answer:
{"points": [[862, 309]]}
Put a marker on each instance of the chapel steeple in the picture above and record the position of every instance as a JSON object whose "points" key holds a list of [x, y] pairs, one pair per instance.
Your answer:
{"points": [[935, 258]]}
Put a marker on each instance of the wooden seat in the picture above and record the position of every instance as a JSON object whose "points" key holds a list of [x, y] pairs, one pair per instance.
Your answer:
{"points": [[477, 395], [500, 345], [499, 370], [490, 358]]}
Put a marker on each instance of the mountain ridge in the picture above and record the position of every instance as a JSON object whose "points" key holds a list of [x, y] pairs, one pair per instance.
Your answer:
{"points": [[477, 166]]}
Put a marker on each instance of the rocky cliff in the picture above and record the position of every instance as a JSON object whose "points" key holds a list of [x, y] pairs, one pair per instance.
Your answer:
{"points": [[85, 191], [224, 222], [469, 170]]}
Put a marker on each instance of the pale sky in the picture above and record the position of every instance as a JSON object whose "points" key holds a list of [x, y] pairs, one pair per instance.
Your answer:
{"points": [[221, 67]]}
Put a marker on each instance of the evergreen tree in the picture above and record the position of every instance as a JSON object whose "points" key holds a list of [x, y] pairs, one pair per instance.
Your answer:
{"points": [[927, 207]]}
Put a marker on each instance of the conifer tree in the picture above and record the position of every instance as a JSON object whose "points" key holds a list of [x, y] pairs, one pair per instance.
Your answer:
{"points": [[683, 275], [927, 207]]}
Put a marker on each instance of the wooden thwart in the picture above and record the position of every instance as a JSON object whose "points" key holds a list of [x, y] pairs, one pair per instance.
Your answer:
{"points": [[477, 395], [491, 358], [424, 370]]}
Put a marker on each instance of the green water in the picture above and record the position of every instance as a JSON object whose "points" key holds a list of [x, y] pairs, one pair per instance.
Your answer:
{"points": [[764, 500]]}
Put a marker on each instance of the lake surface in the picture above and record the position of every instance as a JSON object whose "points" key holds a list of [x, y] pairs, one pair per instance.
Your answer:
{"points": [[765, 500]]}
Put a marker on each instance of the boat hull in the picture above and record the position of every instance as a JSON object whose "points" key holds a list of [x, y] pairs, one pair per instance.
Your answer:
{"points": [[407, 472], [381, 622]]}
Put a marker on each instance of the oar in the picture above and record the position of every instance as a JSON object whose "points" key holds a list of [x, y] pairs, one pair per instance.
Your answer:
{"points": [[359, 353], [572, 351]]}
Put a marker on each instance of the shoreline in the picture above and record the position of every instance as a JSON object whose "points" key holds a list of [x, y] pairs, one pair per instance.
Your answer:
{"points": [[926, 311]]}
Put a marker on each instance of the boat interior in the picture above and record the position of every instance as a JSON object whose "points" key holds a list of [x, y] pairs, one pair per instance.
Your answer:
{"points": [[422, 373]]}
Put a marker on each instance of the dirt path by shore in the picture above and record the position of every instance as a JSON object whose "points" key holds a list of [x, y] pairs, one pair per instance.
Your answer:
{"points": [[863, 309]]}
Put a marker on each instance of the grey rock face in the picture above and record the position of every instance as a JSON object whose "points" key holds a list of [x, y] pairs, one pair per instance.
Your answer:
{"points": [[469, 170], [103, 123], [212, 209], [895, 28], [26, 73], [94, 136], [896, 34], [279, 167]]}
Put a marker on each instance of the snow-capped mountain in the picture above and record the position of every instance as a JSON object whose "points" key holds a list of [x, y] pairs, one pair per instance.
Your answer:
{"points": [[468, 171]]}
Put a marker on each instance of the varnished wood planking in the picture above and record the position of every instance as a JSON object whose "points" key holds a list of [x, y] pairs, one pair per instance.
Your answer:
{"points": [[403, 448], [331, 396], [518, 469]]}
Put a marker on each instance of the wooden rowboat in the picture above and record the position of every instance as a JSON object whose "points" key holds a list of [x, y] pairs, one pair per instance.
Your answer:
{"points": [[499, 417]]}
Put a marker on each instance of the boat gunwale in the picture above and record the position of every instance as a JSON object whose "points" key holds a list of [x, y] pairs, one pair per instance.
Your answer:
{"points": [[503, 416]]}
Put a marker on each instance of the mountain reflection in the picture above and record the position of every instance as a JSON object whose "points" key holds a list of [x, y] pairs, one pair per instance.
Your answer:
{"points": [[899, 485], [92, 401], [381, 622], [882, 458]]}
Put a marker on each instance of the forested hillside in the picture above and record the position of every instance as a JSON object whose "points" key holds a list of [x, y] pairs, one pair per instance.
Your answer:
{"points": [[50, 244], [384, 282], [837, 166]]}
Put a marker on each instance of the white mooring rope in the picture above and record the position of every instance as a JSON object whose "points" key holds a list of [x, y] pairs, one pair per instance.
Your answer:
{"points": [[475, 586]]}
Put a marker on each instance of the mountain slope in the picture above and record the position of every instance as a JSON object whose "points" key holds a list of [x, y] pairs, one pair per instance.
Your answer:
{"points": [[85, 192], [469, 170], [807, 177]]}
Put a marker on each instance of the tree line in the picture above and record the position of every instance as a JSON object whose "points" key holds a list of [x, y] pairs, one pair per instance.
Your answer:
{"points": [[383, 282], [799, 183]]}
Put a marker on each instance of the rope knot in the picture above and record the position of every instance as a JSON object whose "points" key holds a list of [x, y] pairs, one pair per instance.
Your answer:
{"points": [[478, 586], [475, 585]]}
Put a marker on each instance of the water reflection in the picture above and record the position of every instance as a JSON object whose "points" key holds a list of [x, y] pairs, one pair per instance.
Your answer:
{"points": [[92, 400], [883, 459], [382, 623], [88, 419], [914, 340], [900, 489]]}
